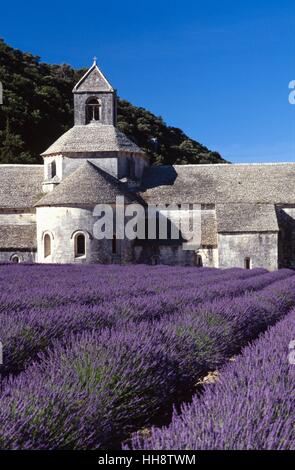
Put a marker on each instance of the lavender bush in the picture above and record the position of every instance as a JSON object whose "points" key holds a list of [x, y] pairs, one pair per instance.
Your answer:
{"points": [[92, 358], [28, 325], [250, 407]]}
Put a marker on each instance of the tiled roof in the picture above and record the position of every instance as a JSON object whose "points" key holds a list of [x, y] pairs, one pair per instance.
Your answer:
{"points": [[20, 186], [246, 218], [88, 185], [18, 237], [93, 138], [220, 183]]}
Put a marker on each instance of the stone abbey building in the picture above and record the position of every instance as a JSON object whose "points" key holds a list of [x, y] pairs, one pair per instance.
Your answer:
{"points": [[47, 211]]}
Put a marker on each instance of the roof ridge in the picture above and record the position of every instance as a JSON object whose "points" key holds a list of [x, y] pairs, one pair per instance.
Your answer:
{"points": [[233, 164], [80, 188], [70, 176], [107, 176], [94, 66], [21, 165]]}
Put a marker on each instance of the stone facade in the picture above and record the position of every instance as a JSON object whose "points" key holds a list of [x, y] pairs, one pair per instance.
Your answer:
{"points": [[94, 85], [47, 214], [17, 256], [107, 103], [121, 167], [261, 249]]}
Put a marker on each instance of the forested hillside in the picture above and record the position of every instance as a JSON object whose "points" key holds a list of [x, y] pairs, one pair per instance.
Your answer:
{"points": [[38, 107]]}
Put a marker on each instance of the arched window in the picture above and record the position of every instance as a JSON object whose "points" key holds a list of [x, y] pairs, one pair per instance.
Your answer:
{"points": [[93, 108], [47, 245], [15, 259], [199, 261], [247, 263], [80, 245]]}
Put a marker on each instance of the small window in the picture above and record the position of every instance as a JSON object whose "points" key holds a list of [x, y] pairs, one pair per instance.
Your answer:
{"points": [[93, 110], [247, 263], [15, 259], [47, 245], [80, 245], [53, 169], [199, 261], [114, 245]]}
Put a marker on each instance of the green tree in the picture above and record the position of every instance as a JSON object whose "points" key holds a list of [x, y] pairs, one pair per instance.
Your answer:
{"points": [[38, 103], [12, 148]]}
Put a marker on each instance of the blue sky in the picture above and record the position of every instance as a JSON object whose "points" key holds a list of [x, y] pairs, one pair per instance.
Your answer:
{"points": [[217, 69]]}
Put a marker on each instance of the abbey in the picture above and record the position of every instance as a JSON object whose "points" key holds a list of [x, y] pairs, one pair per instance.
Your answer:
{"points": [[47, 211]]}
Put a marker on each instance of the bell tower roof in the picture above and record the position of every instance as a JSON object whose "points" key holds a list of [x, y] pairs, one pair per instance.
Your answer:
{"points": [[94, 99], [93, 81]]}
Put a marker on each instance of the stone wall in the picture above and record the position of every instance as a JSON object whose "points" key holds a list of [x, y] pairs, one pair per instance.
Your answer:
{"points": [[286, 220], [174, 255], [17, 219], [62, 224], [119, 166], [108, 164], [261, 248], [140, 164], [108, 107], [209, 256], [14, 217], [23, 256]]}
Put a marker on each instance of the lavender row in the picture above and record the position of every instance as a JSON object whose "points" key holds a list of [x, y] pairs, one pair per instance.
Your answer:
{"points": [[25, 333], [250, 407], [92, 389], [58, 286]]}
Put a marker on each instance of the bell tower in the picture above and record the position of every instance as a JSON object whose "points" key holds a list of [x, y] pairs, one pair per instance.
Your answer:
{"points": [[94, 99]]}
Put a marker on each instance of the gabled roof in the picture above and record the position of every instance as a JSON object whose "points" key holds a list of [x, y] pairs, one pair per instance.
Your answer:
{"points": [[246, 218], [93, 81], [87, 186], [93, 138], [220, 183], [20, 186], [14, 237]]}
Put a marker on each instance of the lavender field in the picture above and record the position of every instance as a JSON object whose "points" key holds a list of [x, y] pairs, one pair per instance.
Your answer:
{"points": [[93, 354], [251, 406]]}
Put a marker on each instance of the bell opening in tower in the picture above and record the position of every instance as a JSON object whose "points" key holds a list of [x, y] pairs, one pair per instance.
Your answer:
{"points": [[93, 110]]}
